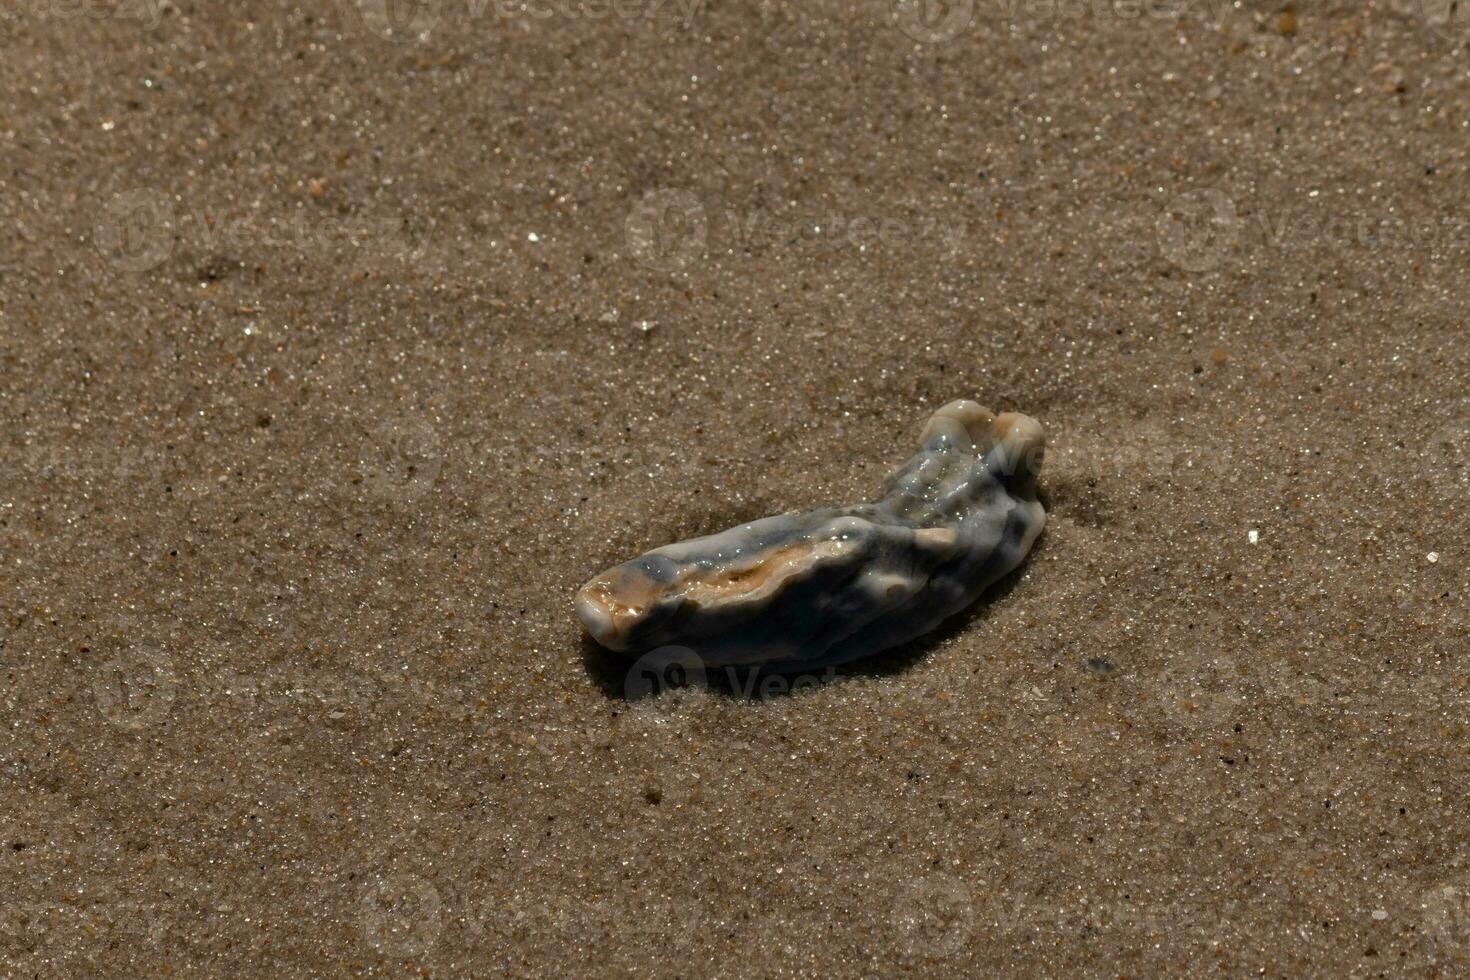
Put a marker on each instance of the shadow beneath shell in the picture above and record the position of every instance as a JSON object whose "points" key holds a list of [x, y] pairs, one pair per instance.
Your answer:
{"points": [[623, 679]]}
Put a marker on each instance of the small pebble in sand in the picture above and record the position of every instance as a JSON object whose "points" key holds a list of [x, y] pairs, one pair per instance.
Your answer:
{"points": [[1433, 557], [842, 582], [1253, 535]]}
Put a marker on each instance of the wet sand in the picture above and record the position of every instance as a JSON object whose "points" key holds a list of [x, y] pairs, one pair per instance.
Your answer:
{"points": [[339, 351]]}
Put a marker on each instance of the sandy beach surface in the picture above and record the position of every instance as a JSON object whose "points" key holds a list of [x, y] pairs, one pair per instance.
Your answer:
{"points": [[342, 342]]}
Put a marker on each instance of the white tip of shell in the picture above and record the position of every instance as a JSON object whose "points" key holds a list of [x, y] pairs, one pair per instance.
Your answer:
{"points": [[971, 418], [599, 621]]}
